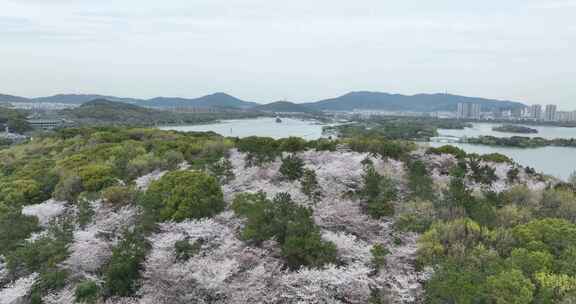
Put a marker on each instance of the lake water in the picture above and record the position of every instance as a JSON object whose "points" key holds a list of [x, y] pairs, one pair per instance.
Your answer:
{"points": [[556, 161], [258, 127], [484, 129], [559, 162]]}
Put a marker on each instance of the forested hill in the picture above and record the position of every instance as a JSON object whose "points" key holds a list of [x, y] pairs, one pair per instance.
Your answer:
{"points": [[137, 216], [105, 111], [217, 100], [102, 111], [397, 102]]}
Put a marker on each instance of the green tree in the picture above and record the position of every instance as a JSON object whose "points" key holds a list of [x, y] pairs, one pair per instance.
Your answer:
{"points": [[379, 253], [95, 177], [552, 235], [173, 159], [20, 192], [184, 195], [224, 170], [380, 192], [68, 188], [454, 283], [87, 292], [292, 144], [510, 287], [307, 250], [15, 228], [291, 225], [185, 249], [531, 262], [420, 183], [310, 186], [119, 195], [123, 270], [259, 150], [292, 167]]}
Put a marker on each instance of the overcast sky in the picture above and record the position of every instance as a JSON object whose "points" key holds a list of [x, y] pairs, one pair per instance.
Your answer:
{"points": [[300, 50]]}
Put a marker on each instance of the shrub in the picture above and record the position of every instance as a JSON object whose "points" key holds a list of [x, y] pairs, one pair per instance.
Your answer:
{"points": [[552, 235], [512, 175], [119, 195], [380, 193], [142, 165], [419, 181], [292, 167], [185, 250], [531, 262], [96, 177], [20, 192], [50, 280], [310, 186], [559, 204], [416, 216], [512, 215], [224, 170], [379, 253], [292, 144], [15, 228], [85, 212], [383, 147], [496, 158], [308, 250], [323, 144], [183, 195], [448, 149], [123, 270], [68, 188], [44, 252], [510, 287], [173, 159], [259, 150], [291, 225], [87, 292]]}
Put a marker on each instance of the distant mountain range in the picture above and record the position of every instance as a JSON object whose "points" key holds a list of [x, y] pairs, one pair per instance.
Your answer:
{"points": [[397, 102], [362, 100]]}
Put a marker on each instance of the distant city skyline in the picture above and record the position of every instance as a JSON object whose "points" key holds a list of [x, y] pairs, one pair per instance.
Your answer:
{"points": [[298, 50]]}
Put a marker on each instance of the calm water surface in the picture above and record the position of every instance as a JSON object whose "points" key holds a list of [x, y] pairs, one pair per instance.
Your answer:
{"points": [[484, 129], [258, 127]]}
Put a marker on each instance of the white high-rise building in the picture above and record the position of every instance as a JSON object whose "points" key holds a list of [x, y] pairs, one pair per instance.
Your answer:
{"points": [[468, 111], [566, 116], [535, 112], [550, 113]]}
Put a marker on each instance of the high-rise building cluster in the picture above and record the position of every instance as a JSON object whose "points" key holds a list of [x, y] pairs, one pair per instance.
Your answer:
{"points": [[468, 110], [549, 113], [534, 112]]}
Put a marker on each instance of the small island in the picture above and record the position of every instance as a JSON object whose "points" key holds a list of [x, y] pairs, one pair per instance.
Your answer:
{"points": [[515, 129]]}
